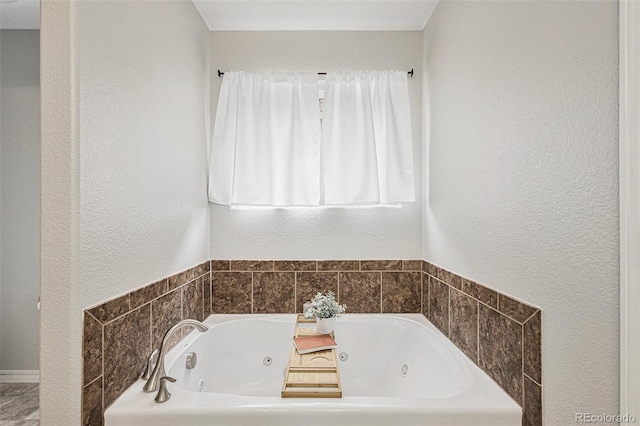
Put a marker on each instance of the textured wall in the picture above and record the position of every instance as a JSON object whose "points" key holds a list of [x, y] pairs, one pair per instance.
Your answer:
{"points": [[20, 198], [60, 328], [144, 210], [363, 233], [127, 181], [522, 155]]}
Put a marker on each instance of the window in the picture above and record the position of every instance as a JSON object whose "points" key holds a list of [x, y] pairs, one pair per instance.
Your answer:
{"points": [[269, 148]]}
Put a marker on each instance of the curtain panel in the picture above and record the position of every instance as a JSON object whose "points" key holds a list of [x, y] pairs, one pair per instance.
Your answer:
{"points": [[367, 149], [266, 140], [270, 148]]}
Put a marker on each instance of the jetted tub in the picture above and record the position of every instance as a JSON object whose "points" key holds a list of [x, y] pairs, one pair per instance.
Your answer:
{"points": [[399, 370]]}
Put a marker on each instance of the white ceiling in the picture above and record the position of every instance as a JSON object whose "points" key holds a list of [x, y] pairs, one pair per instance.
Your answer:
{"points": [[367, 15], [20, 14], [257, 15]]}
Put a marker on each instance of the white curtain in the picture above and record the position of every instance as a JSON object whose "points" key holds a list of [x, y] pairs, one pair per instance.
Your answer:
{"points": [[266, 141], [267, 147], [367, 150]]}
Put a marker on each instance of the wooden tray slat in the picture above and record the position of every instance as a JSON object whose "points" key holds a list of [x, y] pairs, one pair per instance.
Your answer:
{"points": [[312, 375], [311, 393], [319, 378]]}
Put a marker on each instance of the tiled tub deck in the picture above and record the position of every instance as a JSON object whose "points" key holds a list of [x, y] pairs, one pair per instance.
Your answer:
{"points": [[498, 333]]}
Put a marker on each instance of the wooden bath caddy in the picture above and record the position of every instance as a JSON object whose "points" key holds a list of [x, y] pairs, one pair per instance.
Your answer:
{"points": [[312, 375]]}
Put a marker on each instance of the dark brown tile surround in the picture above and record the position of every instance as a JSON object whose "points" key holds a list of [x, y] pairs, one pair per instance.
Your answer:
{"points": [[360, 291], [463, 324], [500, 350], [500, 334], [118, 334], [282, 286], [165, 312], [127, 343], [274, 292], [532, 347], [310, 283], [401, 292], [231, 292]]}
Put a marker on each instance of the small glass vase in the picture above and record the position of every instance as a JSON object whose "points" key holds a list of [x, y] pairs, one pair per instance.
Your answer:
{"points": [[324, 325]]}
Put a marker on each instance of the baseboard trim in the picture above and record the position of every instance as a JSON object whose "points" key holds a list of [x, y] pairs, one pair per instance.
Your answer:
{"points": [[19, 376]]}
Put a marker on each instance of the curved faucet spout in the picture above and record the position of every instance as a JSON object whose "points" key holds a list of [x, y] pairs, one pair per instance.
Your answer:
{"points": [[153, 383]]}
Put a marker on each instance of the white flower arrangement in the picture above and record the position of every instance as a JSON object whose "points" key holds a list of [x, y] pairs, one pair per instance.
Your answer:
{"points": [[325, 306]]}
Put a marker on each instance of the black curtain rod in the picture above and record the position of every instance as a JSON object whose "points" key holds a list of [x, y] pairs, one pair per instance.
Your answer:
{"points": [[221, 73]]}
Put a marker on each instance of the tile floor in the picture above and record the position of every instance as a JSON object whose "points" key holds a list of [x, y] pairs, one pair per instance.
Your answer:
{"points": [[19, 404]]}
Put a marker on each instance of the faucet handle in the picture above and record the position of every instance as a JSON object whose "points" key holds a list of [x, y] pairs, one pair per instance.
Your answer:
{"points": [[163, 393], [146, 374]]}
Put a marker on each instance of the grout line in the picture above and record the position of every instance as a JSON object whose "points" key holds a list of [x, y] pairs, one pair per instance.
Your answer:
{"points": [[421, 293], [532, 315], [210, 288], [89, 313], [501, 313], [478, 334], [295, 292], [527, 376], [151, 326], [124, 315], [202, 292], [429, 297], [90, 383], [211, 274], [449, 312], [522, 360], [101, 363], [182, 307], [103, 408], [461, 292], [380, 291], [252, 292], [155, 298]]}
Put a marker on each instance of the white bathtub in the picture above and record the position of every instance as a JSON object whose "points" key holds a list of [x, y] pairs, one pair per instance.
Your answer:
{"points": [[441, 386]]}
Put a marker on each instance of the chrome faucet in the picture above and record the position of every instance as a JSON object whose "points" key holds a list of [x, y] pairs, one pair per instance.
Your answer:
{"points": [[163, 394], [149, 366], [153, 383]]}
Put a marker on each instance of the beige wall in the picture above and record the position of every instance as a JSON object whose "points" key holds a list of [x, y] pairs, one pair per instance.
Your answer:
{"points": [[123, 166], [143, 194], [521, 150], [374, 233]]}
